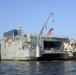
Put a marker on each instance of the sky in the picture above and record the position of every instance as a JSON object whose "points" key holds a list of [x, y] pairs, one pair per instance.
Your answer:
{"points": [[31, 15]]}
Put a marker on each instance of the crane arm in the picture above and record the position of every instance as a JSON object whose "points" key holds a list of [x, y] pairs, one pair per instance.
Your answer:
{"points": [[45, 24]]}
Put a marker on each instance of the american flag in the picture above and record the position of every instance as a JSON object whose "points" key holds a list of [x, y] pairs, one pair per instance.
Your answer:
{"points": [[50, 32]]}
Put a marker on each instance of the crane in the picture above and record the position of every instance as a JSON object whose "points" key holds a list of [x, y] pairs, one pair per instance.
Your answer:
{"points": [[38, 37], [45, 24]]}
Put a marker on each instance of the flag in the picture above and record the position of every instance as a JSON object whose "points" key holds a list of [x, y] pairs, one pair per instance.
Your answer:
{"points": [[50, 32]]}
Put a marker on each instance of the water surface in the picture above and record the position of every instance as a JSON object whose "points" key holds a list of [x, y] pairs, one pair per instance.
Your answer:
{"points": [[37, 68]]}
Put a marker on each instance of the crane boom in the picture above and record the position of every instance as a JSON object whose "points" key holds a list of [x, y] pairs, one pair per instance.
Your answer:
{"points": [[38, 37], [45, 24], [43, 27]]}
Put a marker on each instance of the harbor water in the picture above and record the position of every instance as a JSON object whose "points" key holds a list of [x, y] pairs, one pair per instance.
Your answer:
{"points": [[38, 68]]}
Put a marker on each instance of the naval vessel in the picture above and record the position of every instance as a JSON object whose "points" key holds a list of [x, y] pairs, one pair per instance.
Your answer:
{"points": [[17, 46]]}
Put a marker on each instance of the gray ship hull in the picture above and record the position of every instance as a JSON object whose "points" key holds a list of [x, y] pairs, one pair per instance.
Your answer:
{"points": [[26, 48]]}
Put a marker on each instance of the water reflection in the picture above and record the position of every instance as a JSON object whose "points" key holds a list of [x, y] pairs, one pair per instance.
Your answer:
{"points": [[37, 68]]}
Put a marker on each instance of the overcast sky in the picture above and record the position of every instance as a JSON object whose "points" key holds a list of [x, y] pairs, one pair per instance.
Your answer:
{"points": [[32, 14]]}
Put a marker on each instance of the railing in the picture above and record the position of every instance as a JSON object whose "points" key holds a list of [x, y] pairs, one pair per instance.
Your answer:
{"points": [[54, 51]]}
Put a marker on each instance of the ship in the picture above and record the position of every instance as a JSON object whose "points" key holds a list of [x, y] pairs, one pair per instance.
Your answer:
{"points": [[18, 46], [14, 46]]}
